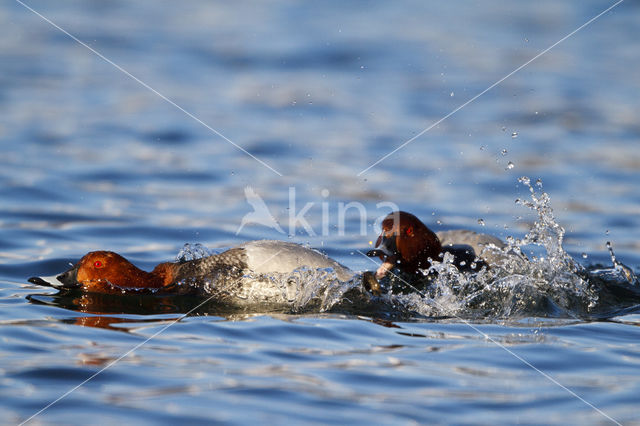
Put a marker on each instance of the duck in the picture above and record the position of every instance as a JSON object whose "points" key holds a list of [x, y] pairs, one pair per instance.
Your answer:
{"points": [[407, 244], [253, 272]]}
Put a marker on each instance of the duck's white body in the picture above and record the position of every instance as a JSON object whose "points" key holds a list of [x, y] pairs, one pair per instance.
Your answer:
{"points": [[272, 272], [271, 256]]}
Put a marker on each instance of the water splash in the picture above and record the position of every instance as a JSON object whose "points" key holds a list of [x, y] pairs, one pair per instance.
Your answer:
{"points": [[193, 252], [302, 290], [621, 269], [550, 284]]}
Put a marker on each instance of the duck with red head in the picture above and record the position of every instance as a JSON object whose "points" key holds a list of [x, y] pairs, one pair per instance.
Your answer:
{"points": [[240, 274], [409, 245], [405, 242], [108, 272]]}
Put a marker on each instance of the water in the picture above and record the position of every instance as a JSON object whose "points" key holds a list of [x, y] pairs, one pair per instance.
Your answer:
{"points": [[92, 160]]}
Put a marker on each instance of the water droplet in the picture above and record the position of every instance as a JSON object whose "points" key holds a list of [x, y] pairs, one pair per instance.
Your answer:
{"points": [[607, 232], [584, 255], [439, 222], [504, 151], [514, 135], [504, 128], [510, 166], [481, 222], [462, 263], [451, 94], [324, 193], [611, 253]]}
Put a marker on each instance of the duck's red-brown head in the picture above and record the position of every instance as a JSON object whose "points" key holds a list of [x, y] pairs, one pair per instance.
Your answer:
{"points": [[108, 272], [406, 243]]}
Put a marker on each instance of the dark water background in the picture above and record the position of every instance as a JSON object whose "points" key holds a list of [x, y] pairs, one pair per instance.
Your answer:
{"points": [[91, 159]]}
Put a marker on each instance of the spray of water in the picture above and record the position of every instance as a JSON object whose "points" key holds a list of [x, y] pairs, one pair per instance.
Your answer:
{"points": [[551, 284]]}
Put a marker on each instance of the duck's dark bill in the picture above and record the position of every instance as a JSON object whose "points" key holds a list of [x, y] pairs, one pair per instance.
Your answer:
{"points": [[43, 282], [69, 278]]}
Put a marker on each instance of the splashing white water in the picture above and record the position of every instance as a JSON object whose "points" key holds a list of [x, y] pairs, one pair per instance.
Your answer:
{"points": [[552, 284], [193, 252], [301, 289]]}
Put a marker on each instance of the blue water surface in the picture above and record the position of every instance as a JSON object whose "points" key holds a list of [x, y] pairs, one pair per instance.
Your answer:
{"points": [[139, 129]]}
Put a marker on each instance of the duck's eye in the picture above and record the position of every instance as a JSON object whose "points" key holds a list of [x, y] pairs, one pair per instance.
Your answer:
{"points": [[409, 231], [98, 264]]}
